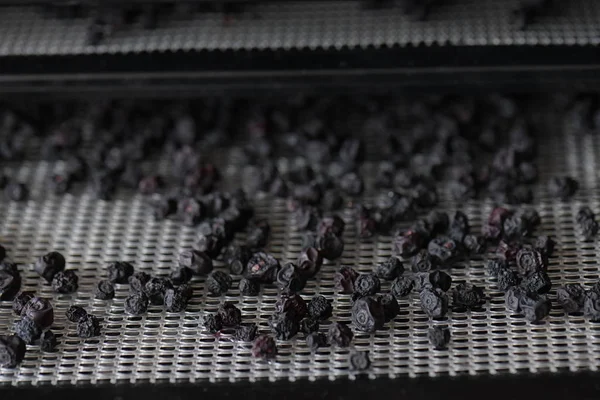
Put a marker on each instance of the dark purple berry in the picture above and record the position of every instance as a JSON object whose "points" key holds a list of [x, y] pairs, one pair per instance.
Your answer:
{"points": [[367, 284], [21, 301], [507, 278], [309, 262], [262, 267], [28, 330], [212, 323], [230, 314], [330, 246], [459, 227], [545, 245], [423, 262], [176, 299], [65, 282], [136, 304], [290, 279], [440, 280], [530, 261], [48, 342], [402, 286], [162, 206], [156, 288], [104, 290], [9, 285], [307, 218], [562, 188], [88, 326], [344, 280], [237, 257], [249, 287], [12, 351], [315, 340], [284, 325], [309, 325], [508, 251], [589, 229], [320, 308], [571, 297], [443, 249], [537, 282], [209, 244], [331, 224], [368, 314], [264, 346], [467, 296], [75, 313], [474, 244], [49, 265], [245, 333], [179, 276], [293, 304], [218, 283], [390, 306], [439, 337], [339, 335], [200, 263], [119, 272], [434, 302], [137, 281], [390, 269], [534, 307], [360, 361], [258, 234], [408, 243]]}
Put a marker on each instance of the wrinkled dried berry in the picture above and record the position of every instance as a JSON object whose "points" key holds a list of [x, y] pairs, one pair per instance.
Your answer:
{"points": [[309, 325], [176, 299], [545, 245], [330, 246], [262, 267], [249, 287], [258, 234], [245, 333], [284, 325], [65, 282], [75, 313], [155, 290], [508, 251], [307, 218], [331, 224], [589, 229], [443, 249], [423, 262], [368, 314], [438, 222], [9, 285], [309, 262], [360, 361], [191, 211], [40, 311], [402, 286], [344, 280], [200, 263], [421, 281], [290, 279], [49, 265], [584, 213], [88, 326], [230, 314], [12, 351], [390, 269], [367, 284], [530, 261], [119, 272], [320, 308], [137, 281], [434, 302], [408, 243], [136, 304], [571, 297], [218, 283], [440, 280], [474, 244], [390, 306], [534, 307], [28, 330], [162, 206], [562, 188], [512, 298], [493, 230], [439, 337], [264, 346], [294, 304], [104, 290], [209, 244], [21, 301], [236, 258], [212, 323], [315, 340], [179, 276], [467, 296], [537, 282], [507, 278], [48, 341], [339, 335]]}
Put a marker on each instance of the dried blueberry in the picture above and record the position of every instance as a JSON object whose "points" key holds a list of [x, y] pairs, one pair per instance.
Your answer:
{"points": [[330, 246], [315, 340], [237, 257], [467, 296], [136, 304], [529, 261], [402, 286], [200, 263], [156, 288], [390, 306], [264, 346], [176, 299], [320, 308], [359, 361], [262, 267], [119, 272], [12, 351], [218, 283], [179, 276], [440, 280], [284, 325], [537, 282], [28, 330], [408, 243], [534, 307], [459, 227], [230, 314], [443, 249], [434, 302], [507, 278], [474, 244], [367, 284], [290, 279], [339, 335], [571, 297], [88, 326], [137, 281], [562, 188], [309, 262], [294, 304], [423, 262], [367, 314], [65, 282], [21, 301], [331, 224], [249, 287], [48, 341], [104, 290], [344, 280], [75, 313], [390, 269], [9, 285], [309, 325], [49, 265], [209, 244], [212, 323], [545, 245]]}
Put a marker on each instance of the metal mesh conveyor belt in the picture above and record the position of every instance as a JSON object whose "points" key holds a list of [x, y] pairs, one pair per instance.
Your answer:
{"points": [[171, 347], [306, 24]]}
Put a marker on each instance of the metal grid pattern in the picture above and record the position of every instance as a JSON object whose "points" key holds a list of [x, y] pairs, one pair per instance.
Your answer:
{"points": [[307, 24], [162, 346]]}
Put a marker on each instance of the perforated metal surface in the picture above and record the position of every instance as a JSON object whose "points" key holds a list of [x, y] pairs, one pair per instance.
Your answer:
{"points": [[307, 24], [172, 347]]}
